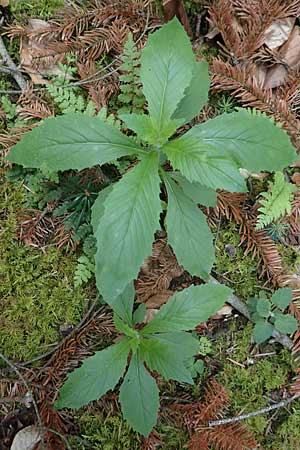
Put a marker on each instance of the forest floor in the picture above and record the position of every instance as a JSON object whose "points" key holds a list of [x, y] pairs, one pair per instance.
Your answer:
{"points": [[67, 57]]}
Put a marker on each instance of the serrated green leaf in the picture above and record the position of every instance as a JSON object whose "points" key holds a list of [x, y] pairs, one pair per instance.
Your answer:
{"points": [[167, 63], [126, 230], [263, 307], [72, 141], [186, 309], [124, 328], [164, 360], [145, 128], [282, 298], [262, 331], [139, 314], [123, 304], [139, 397], [97, 375], [195, 191], [202, 163], [98, 207], [285, 323], [180, 342], [251, 141], [195, 95], [188, 232]]}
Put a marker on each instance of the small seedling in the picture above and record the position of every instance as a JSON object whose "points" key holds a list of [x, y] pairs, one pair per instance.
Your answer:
{"points": [[268, 315]]}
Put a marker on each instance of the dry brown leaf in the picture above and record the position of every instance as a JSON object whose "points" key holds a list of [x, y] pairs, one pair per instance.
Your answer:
{"points": [[26, 439], [276, 76], [31, 48], [176, 8], [296, 178], [278, 33], [157, 300], [225, 311], [150, 314], [290, 51]]}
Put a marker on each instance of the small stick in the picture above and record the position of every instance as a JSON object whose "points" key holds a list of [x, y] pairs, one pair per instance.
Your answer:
{"points": [[11, 65], [281, 404]]}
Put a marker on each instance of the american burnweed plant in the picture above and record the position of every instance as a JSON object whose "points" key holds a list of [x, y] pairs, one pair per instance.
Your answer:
{"points": [[268, 315], [163, 344], [206, 158], [126, 215]]}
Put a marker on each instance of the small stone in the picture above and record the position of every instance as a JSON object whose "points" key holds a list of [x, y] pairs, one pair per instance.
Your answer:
{"points": [[230, 250]]}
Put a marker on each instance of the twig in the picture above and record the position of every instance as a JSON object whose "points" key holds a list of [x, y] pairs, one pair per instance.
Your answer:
{"points": [[20, 80], [36, 410], [240, 306], [265, 410]]}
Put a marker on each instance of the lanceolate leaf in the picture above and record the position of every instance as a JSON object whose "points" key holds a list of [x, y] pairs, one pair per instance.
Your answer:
{"points": [[139, 397], [72, 141], [188, 308], [126, 230], [180, 342], [98, 207], [146, 129], [164, 360], [167, 64], [123, 304], [196, 94], [97, 375], [252, 141], [188, 232], [195, 191], [203, 163]]}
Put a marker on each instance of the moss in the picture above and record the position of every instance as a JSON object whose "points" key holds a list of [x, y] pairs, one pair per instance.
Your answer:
{"points": [[239, 271], [251, 382], [287, 434], [290, 258], [42, 9], [206, 51], [36, 288], [104, 433], [97, 430]]}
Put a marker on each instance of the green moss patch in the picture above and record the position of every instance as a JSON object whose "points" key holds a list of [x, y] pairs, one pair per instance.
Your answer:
{"points": [[36, 288]]}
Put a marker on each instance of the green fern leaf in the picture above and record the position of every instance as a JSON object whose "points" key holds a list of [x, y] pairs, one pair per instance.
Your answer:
{"points": [[84, 271], [275, 203]]}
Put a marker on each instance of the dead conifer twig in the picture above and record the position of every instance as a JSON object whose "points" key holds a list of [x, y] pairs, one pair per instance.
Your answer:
{"points": [[265, 410]]}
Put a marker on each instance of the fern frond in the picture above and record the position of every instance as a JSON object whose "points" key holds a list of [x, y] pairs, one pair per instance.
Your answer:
{"points": [[84, 271], [276, 203], [131, 95], [68, 100]]}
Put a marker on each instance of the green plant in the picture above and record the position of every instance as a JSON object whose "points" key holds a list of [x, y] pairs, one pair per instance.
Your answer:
{"points": [[39, 8], [131, 93], [86, 262], [268, 315], [163, 344], [276, 202], [67, 97], [206, 158]]}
